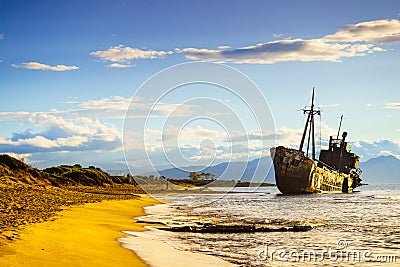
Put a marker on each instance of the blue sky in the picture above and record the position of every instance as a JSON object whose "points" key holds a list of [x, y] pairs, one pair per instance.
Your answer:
{"points": [[68, 70]]}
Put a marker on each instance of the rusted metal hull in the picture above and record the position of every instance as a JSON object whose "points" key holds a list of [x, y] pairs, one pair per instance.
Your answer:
{"points": [[295, 174]]}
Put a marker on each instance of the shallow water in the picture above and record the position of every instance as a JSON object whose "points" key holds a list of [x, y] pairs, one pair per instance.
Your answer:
{"points": [[360, 229]]}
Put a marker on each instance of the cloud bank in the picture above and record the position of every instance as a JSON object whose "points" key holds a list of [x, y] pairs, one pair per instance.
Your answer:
{"points": [[283, 51], [62, 131], [80, 128], [353, 40], [60, 134]]}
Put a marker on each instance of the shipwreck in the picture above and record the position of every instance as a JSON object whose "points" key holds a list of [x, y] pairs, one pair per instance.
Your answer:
{"points": [[336, 170]]}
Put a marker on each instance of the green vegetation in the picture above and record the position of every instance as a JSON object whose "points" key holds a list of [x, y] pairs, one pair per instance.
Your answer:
{"points": [[194, 176], [190, 182], [12, 163], [76, 174], [12, 169]]}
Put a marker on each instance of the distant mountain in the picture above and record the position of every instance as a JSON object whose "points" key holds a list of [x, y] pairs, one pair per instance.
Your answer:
{"points": [[244, 171], [384, 169]]}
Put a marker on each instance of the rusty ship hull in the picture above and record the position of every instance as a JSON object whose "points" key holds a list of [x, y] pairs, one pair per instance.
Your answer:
{"points": [[336, 170], [296, 174]]}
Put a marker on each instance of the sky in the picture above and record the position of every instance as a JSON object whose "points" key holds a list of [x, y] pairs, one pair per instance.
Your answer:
{"points": [[82, 81]]}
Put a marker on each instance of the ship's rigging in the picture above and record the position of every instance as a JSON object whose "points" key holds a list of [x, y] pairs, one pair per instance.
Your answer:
{"points": [[310, 126]]}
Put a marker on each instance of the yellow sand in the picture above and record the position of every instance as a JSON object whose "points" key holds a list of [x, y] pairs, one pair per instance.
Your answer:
{"points": [[81, 236]]}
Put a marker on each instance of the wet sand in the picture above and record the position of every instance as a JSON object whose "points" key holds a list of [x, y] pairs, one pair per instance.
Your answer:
{"points": [[155, 251]]}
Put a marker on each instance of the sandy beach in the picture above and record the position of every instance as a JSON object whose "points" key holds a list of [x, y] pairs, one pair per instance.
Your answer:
{"points": [[77, 224], [166, 254], [80, 236], [98, 234]]}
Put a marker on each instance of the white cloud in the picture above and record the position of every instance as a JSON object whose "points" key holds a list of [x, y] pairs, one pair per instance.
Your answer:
{"points": [[366, 149], [351, 41], [199, 132], [40, 66], [13, 116], [393, 105], [80, 129], [109, 103], [288, 137], [377, 31], [282, 51], [1, 36], [73, 141], [372, 149], [192, 134], [171, 138], [59, 134], [199, 145], [38, 141], [42, 119], [116, 106], [22, 157], [120, 66], [224, 47], [109, 107], [284, 136], [277, 35], [41, 143], [389, 153], [123, 54]]}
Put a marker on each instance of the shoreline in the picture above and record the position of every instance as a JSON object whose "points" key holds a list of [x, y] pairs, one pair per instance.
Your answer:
{"points": [[150, 247], [83, 235], [106, 233], [153, 247]]}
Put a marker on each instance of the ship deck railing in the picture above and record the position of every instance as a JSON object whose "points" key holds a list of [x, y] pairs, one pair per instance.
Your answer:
{"points": [[326, 165], [358, 171], [334, 186]]}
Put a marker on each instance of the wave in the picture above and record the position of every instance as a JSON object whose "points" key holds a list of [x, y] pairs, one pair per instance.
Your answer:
{"points": [[387, 197]]}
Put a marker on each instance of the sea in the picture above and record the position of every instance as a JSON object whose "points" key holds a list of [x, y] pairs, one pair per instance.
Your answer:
{"points": [[357, 229]]}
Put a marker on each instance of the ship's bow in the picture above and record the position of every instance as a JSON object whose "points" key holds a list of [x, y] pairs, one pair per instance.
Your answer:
{"points": [[292, 170]]}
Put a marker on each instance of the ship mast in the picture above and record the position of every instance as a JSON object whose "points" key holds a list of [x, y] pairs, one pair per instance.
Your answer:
{"points": [[310, 121], [340, 126]]}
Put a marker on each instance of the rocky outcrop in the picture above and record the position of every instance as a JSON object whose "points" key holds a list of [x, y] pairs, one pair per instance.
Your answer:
{"points": [[224, 229]]}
